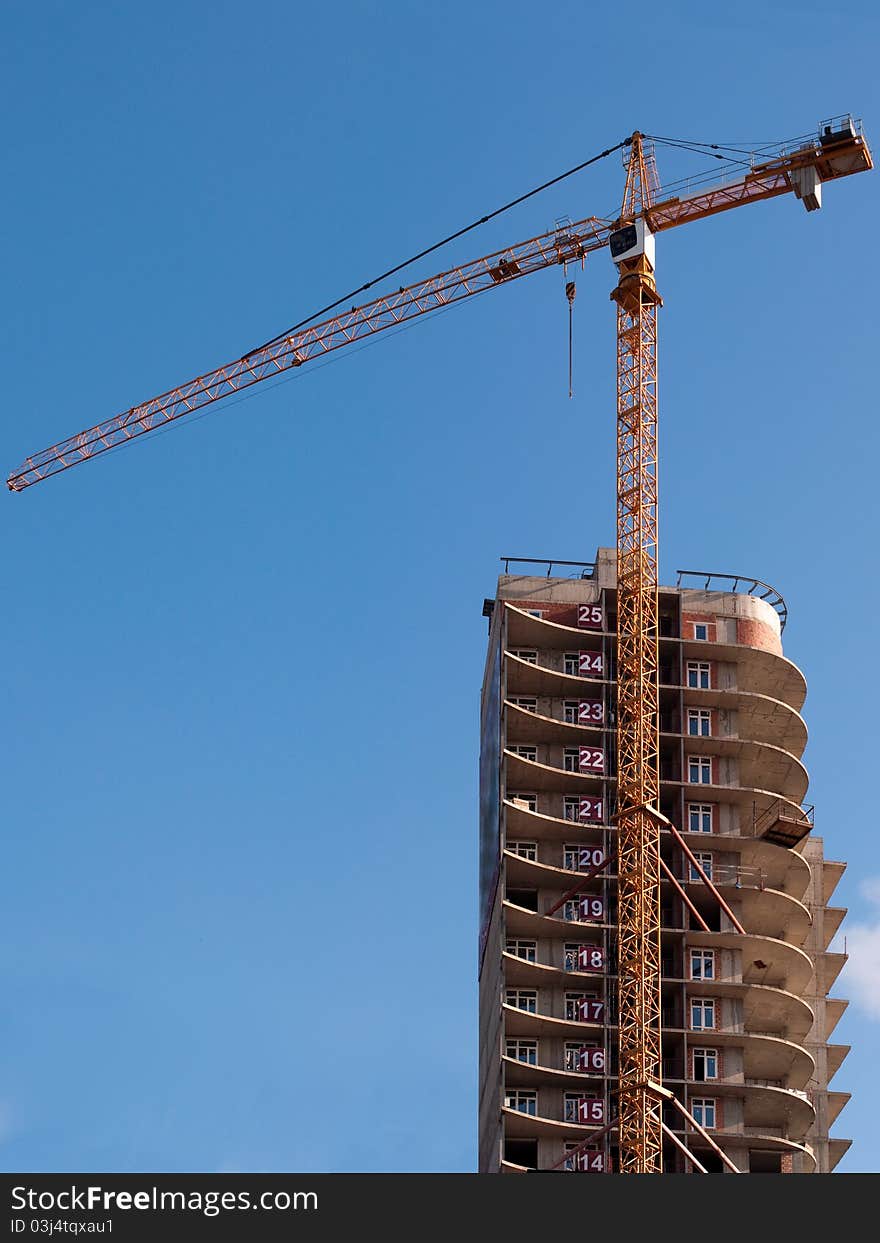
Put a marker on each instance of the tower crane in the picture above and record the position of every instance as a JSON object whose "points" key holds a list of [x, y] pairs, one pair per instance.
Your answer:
{"points": [[839, 149]]}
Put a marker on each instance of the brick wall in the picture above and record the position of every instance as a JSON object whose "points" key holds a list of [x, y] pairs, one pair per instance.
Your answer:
{"points": [[689, 619], [758, 634]]}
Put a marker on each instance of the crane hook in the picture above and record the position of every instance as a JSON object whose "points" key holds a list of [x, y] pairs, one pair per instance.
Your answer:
{"points": [[570, 291]]}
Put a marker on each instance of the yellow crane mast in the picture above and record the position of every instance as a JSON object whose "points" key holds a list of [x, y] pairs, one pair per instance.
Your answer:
{"points": [[638, 772]]}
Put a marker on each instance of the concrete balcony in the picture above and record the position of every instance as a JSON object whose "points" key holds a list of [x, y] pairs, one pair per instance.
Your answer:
{"points": [[535, 825], [757, 671], [526, 1024], [524, 678], [520, 973], [530, 775], [837, 1149], [764, 1058], [768, 1107], [736, 1141], [750, 800], [521, 922], [767, 1010], [762, 912], [765, 960], [758, 717], [519, 1125], [527, 631], [760, 764], [532, 727], [523, 1075], [530, 874]]}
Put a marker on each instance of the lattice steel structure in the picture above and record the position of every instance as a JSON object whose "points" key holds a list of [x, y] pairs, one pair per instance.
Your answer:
{"points": [[638, 780]]}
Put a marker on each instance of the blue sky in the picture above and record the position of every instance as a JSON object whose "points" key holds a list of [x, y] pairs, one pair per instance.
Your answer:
{"points": [[243, 658]]}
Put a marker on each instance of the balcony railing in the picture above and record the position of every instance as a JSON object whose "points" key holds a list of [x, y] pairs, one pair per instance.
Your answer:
{"points": [[711, 580], [783, 825], [587, 568], [729, 874]]}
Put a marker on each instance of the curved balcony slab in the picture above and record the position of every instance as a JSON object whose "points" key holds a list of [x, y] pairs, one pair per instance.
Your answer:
{"points": [[531, 727], [518, 973], [522, 1075], [759, 717], [535, 825], [766, 1009], [735, 1140], [526, 630], [770, 913], [524, 1023], [525, 873], [774, 1107], [530, 775], [764, 1057], [757, 670], [521, 922], [751, 800], [524, 678], [762, 912], [759, 763], [763, 1106], [785, 870], [781, 869], [784, 966], [530, 1126]]}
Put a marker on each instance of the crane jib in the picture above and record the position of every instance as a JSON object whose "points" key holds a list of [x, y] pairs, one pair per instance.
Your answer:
{"points": [[832, 156]]}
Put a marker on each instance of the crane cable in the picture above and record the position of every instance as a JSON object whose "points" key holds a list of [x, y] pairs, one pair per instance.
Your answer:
{"points": [[437, 245]]}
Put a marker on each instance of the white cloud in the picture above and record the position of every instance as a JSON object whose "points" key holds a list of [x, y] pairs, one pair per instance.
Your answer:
{"points": [[862, 972]]}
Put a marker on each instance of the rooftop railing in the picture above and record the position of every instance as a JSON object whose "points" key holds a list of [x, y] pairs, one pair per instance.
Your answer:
{"points": [[713, 580]]}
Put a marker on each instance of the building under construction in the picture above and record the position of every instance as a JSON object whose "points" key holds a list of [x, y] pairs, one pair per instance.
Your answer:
{"points": [[746, 970]]}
